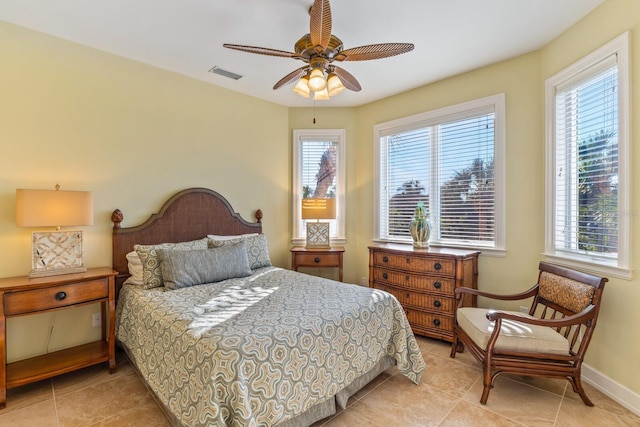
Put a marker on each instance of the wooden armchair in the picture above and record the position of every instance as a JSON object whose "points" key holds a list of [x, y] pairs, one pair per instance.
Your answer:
{"points": [[550, 341]]}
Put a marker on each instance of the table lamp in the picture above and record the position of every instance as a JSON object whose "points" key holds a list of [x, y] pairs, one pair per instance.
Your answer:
{"points": [[55, 252], [318, 232]]}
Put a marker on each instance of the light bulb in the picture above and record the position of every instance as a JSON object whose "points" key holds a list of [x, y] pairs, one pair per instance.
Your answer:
{"points": [[316, 80], [334, 84], [302, 88]]}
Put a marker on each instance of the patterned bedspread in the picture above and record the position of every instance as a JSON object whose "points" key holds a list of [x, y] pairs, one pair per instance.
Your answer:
{"points": [[259, 350]]}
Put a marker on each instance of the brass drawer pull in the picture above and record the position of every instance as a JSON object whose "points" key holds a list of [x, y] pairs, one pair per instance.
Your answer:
{"points": [[436, 322], [437, 285], [316, 260], [60, 296], [437, 303], [437, 266]]}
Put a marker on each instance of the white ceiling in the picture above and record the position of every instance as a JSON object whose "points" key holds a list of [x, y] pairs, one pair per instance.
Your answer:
{"points": [[450, 36]]}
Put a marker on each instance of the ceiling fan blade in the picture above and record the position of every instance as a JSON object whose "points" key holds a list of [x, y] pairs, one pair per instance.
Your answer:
{"points": [[263, 51], [373, 51], [320, 27], [291, 77], [347, 79]]}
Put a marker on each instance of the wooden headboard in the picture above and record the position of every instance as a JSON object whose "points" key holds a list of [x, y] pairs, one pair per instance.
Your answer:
{"points": [[188, 215]]}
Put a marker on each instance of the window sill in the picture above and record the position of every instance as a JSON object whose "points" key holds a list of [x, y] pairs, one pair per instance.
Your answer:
{"points": [[591, 266]]}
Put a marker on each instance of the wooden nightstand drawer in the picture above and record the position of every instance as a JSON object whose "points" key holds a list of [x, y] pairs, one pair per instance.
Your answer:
{"points": [[23, 302], [318, 260], [443, 267]]}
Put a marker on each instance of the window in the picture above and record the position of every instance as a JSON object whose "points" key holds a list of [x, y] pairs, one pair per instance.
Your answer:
{"points": [[319, 171], [452, 160], [587, 174]]}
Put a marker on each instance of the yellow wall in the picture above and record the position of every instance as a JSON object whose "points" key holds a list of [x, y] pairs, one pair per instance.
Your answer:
{"points": [[135, 134]]}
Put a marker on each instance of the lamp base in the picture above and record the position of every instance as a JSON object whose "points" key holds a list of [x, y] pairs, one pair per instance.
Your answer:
{"points": [[56, 252], [318, 235]]}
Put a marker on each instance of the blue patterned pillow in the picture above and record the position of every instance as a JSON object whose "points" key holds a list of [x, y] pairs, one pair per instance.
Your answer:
{"points": [[257, 249], [151, 272], [181, 269]]}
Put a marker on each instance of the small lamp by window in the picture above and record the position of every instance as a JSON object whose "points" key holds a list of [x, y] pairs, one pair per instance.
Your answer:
{"points": [[318, 232], [55, 252]]}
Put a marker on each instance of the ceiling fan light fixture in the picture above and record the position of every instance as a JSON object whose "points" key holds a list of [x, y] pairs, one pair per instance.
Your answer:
{"points": [[321, 95], [302, 87], [334, 84], [317, 81]]}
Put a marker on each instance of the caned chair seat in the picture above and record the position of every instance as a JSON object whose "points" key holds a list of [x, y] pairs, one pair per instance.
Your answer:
{"points": [[514, 335], [548, 341]]}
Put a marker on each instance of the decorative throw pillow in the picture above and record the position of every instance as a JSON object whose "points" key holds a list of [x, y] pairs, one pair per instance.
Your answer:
{"points": [[257, 249], [135, 269], [181, 269], [151, 271]]}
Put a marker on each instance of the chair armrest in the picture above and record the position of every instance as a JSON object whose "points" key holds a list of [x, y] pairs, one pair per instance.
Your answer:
{"points": [[585, 315], [509, 297]]}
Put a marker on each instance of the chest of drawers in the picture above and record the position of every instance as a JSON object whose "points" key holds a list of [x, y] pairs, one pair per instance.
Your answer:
{"points": [[424, 282]]}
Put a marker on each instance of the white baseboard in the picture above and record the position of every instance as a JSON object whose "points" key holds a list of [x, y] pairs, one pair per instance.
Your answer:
{"points": [[621, 394]]}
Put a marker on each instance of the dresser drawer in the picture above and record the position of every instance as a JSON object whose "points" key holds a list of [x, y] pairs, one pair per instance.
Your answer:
{"points": [[414, 281], [23, 302], [418, 320], [440, 266], [428, 302]]}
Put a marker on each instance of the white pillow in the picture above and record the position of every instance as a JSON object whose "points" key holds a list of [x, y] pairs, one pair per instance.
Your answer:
{"points": [[135, 269], [237, 236]]}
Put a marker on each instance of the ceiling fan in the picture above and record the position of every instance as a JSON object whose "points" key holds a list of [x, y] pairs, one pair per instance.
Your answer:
{"points": [[318, 50]]}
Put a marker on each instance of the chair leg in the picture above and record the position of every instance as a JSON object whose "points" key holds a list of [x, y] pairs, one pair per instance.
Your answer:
{"points": [[487, 381], [576, 383]]}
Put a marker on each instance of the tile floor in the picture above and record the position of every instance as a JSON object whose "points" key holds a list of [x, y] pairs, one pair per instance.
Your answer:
{"points": [[447, 396]]}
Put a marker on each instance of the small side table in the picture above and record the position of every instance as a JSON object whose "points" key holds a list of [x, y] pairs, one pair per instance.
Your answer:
{"points": [[21, 296], [320, 258]]}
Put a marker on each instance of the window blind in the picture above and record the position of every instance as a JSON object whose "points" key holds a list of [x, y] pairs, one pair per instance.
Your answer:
{"points": [[586, 190]]}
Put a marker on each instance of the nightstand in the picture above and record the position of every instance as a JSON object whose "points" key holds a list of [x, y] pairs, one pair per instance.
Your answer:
{"points": [[320, 258], [21, 296]]}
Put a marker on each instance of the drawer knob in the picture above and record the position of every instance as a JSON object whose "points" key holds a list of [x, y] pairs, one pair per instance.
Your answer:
{"points": [[437, 303], [437, 266], [437, 285], [436, 322], [385, 276], [407, 295], [316, 260], [60, 296], [385, 259]]}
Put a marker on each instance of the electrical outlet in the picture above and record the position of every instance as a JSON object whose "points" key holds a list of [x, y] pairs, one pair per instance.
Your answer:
{"points": [[96, 320], [524, 309], [363, 281]]}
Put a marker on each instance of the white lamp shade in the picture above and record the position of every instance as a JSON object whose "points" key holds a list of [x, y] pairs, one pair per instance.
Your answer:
{"points": [[55, 208], [334, 84], [302, 88], [316, 80], [321, 95]]}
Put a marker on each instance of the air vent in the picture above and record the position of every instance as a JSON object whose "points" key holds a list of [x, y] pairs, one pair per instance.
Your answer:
{"points": [[225, 73]]}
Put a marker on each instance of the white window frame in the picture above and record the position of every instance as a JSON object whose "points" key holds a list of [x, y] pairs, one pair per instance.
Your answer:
{"points": [[495, 103], [338, 236], [620, 266]]}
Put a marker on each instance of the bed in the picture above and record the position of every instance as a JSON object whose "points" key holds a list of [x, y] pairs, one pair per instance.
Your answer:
{"points": [[222, 345]]}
